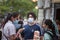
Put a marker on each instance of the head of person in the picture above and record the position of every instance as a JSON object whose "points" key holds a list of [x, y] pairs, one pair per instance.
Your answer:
{"points": [[15, 15], [11, 16], [58, 24], [48, 24], [31, 17], [20, 18]]}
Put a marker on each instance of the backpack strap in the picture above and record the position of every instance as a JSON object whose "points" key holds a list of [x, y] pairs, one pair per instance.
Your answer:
{"points": [[5, 36], [50, 35]]}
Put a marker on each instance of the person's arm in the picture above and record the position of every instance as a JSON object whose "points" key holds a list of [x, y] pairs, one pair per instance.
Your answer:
{"points": [[19, 33], [20, 30], [12, 32], [13, 37]]}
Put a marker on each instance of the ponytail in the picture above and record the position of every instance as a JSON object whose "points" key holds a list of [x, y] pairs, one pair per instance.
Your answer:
{"points": [[8, 18]]}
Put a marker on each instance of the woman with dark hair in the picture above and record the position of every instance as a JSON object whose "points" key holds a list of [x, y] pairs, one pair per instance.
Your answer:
{"points": [[49, 30], [9, 32]]}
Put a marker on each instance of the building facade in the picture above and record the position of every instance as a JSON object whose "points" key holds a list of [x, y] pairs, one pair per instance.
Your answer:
{"points": [[56, 9], [48, 9]]}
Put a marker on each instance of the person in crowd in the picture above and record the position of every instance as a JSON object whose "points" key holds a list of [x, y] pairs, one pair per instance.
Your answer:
{"points": [[1, 28], [49, 30], [56, 27], [29, 29], [24, 22], [58, 24], [3, 23], [9, 32], [18, 22], [32, 15]]}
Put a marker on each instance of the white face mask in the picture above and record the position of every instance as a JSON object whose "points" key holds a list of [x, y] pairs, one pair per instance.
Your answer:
{"points": [[30, 20]]}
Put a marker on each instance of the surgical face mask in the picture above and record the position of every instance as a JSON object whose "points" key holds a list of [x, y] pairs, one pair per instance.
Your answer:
{"points": [[30, 20], [16, 24], [16, 21]]}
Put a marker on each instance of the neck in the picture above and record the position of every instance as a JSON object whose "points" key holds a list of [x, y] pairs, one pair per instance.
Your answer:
{"points": [[31, 24]]}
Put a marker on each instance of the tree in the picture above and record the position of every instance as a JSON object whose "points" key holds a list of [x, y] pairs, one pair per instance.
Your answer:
{"points": [[23, 6]]}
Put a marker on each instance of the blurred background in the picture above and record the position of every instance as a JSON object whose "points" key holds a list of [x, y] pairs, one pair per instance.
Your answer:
{"points": [[44, 9]]}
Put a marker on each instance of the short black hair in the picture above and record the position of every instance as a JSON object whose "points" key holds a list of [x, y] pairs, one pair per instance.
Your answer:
{"points": [[15, 14], [31, 13], [50, 25]]}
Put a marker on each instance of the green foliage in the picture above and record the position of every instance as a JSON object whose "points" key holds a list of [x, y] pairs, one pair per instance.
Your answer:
{"points": [[23, 6]]}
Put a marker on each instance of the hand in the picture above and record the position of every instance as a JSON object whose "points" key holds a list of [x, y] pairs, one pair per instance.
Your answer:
{"points": [[17, 35], [20, 30]]}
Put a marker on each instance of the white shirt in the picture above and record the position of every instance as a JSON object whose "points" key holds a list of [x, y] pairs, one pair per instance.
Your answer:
{"points": [[25, 22], [9, 29]]}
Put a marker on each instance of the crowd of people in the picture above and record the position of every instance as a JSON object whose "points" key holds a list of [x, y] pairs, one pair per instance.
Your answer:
{"points": [[13, 28]]}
